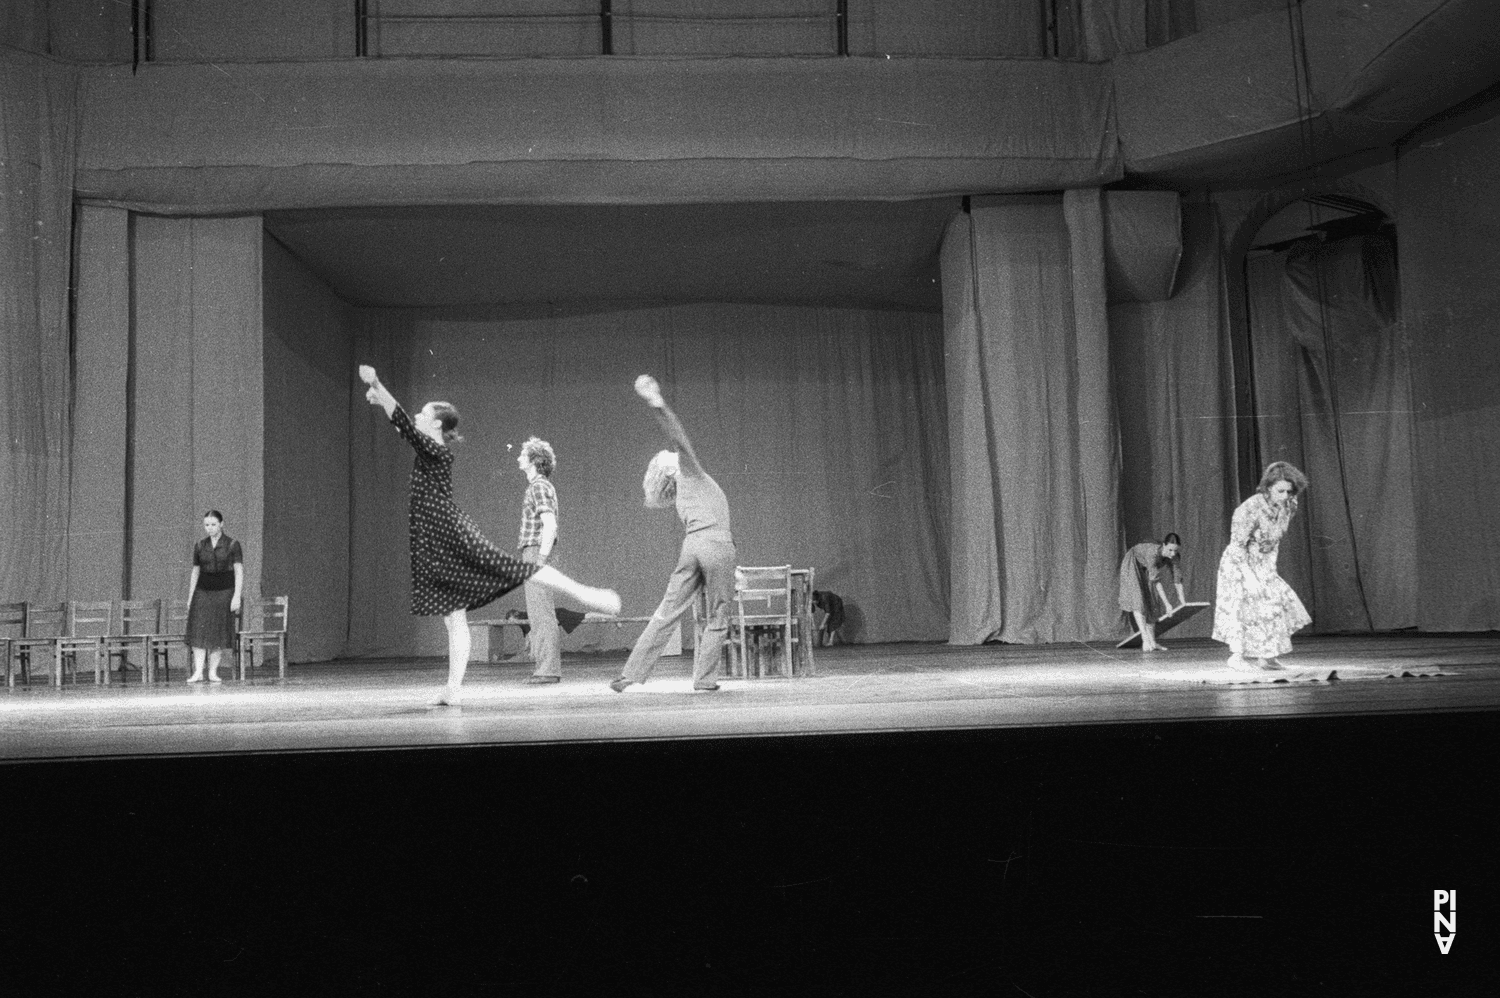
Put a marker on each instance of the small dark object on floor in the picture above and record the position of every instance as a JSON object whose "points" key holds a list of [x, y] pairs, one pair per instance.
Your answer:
{"points": [[833, 613]]}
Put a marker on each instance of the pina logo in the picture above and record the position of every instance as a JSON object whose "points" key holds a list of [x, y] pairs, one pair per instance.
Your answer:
{"points": [[1445, 922]]}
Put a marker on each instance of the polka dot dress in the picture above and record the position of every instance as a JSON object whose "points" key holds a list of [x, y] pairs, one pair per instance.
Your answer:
{"points": [[453, 565]]}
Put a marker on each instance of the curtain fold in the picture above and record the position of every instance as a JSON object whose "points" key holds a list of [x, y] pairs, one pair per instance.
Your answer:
{"points": [[39, 121], [1097, 30], [1036, 519], [197, 429], [1333, 396], [1174, 375], [824, 427]]}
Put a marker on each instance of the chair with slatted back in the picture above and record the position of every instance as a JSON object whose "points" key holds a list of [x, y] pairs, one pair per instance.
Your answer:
{"points": [[170, 634], [89, 623], [265, 624], [46, 624], [12, 627], [136, 623], [764, 605]]}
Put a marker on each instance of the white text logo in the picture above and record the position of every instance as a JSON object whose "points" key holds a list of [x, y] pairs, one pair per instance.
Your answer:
{"points": [[1445, 924]]}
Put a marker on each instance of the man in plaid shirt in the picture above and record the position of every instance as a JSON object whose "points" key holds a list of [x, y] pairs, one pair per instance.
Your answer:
{"points": [[538, 536]]}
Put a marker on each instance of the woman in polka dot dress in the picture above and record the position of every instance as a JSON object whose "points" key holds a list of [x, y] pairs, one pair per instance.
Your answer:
{"points": [[454, 568]]}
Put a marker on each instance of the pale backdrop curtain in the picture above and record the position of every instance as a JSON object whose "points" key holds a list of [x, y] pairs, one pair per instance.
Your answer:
{"points": [[1035, 451], [196, 396], [1174, 378], [825, 428], [39, 114], [1333, 396], [98, 542]]}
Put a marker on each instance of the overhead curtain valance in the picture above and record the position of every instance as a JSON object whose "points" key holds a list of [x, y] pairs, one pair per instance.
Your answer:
{"points": [[246, 137]]}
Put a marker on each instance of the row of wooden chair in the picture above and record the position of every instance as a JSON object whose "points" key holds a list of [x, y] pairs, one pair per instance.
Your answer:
{"points": [[114, 629]]}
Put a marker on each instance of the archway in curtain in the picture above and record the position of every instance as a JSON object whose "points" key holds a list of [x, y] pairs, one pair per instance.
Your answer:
{"points": [[1330, 381]]}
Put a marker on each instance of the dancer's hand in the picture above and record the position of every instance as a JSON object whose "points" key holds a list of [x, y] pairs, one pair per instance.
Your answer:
{"points": [[367, 374], [647, 388], [372, 396]]}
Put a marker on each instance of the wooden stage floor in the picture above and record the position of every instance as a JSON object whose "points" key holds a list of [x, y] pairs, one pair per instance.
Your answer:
{"points": [[349, 704]]}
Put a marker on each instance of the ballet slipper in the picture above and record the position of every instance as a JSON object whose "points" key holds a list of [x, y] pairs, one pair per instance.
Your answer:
{"points": [[1236, 661], [214, 679], [448, 698], [1271, 665], [195, 679]]}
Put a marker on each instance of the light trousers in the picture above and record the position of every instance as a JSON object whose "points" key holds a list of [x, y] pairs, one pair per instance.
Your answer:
{"points": [[707, 563]]}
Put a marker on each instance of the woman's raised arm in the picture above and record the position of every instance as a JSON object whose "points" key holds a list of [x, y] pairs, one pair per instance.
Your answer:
{"points": [[647, 388], [377, 394]]}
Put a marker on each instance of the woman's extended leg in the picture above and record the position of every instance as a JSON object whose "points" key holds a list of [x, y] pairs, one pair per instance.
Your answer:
{"points": [[599, 600], [457, 623]]}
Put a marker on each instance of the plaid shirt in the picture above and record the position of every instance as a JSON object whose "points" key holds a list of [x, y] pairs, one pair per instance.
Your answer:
{"points": [[541, 498]]}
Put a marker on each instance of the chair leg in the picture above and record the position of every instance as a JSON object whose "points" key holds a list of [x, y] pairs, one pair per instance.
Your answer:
{"points": [[281, 656]]}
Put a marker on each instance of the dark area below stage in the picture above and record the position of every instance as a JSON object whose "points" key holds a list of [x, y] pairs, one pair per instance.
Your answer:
{"points": [[1264, 857]]}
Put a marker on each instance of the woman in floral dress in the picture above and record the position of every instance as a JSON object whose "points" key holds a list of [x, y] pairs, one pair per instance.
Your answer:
{"points": [[1256, 612], [454, 567]]}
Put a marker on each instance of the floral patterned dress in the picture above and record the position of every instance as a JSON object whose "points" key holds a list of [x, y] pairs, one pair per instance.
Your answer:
{"points": [[1257, 624], [453, 565]]}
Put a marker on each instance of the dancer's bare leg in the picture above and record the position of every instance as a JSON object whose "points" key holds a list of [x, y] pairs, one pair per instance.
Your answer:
{"points": [[458, 658], [1148, 632], [214, 657], [198, 656], [598, 600]]}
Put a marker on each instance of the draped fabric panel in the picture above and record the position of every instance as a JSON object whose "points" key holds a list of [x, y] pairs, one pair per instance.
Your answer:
{"points": [[1333, 396], [1042, 515], [824, 426], [98, 511], [404, 132], [1448, 217], [947, 28], [309, 367], [196, 395], [1096, 30], [1174, 378], [39, 116]]}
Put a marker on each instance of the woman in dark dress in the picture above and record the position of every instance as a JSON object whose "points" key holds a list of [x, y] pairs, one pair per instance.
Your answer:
{"points": [[1144, 573], [455, 568], [214, 590]]}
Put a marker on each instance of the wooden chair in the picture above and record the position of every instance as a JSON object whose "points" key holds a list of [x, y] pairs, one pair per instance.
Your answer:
{"points": [[803, 582], [46, 624], [768, 592], [170, 634], [89, 623], [136, 623], [265, 623], [12, 627]]}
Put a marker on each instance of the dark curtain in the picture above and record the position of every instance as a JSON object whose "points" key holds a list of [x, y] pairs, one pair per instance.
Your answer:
{"points": [[1333, 396], [1174, 378]]}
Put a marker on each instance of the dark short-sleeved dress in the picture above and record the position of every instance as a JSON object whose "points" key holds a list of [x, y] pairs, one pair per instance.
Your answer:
{"points": [[453, 565], [1140, 570], [210, 623]]}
